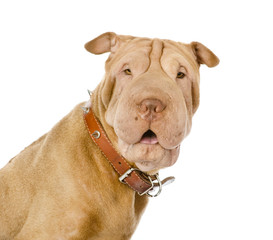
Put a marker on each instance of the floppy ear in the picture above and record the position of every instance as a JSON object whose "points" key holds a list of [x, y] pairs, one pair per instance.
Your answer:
{"points": [[204, 55], [102, 44]]}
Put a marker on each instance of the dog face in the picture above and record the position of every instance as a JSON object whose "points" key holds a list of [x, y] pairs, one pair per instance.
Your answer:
{"points": [[150, 93]]}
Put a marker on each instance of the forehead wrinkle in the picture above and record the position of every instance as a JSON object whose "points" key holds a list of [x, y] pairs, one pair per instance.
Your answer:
{"points": [[156, 52], [128, 48], [178, 54], [157, 47], [136, 43], [184, 51]]}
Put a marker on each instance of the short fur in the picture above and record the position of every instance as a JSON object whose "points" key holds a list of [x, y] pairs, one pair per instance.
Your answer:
{"points": [[62, 187]]}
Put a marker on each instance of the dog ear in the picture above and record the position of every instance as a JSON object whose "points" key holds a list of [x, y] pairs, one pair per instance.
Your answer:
{"points": [[102, 44], [204, 55]]}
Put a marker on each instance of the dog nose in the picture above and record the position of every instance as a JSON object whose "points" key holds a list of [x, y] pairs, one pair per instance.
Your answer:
{"points": [[150, 109]]}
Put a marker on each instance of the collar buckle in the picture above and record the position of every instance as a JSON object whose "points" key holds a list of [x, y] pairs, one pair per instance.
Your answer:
{"points": [[156, 183]]}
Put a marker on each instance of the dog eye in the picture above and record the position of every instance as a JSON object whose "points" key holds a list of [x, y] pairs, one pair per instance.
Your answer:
{"points": [[180, 75], [128, 71]]}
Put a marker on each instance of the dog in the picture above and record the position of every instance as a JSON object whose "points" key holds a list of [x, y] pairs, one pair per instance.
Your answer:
{"points": [[65, 186]]}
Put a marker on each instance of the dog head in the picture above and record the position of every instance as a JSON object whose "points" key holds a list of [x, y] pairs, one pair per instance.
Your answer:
{"points": [[150, 93]]}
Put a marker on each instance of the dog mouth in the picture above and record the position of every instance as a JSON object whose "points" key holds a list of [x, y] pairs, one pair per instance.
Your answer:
{"points": [[147, 153], [149, 137]]}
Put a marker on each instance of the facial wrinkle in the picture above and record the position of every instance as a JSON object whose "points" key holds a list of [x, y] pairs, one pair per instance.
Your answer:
{"points": [[156, 53], [184, 51]]}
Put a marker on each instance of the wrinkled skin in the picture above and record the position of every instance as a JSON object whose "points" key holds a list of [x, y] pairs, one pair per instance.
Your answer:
{"points": [[143, 91]]}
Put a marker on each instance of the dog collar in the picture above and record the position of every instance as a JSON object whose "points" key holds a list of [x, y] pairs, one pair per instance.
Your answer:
{"points": [[139, 181]]}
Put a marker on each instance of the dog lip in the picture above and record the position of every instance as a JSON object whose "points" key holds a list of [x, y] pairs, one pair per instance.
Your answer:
{"points": [[145, 165], [149, 137]]}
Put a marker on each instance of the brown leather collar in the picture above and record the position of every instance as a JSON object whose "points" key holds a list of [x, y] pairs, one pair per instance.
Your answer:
{"points": [[139, 181]]}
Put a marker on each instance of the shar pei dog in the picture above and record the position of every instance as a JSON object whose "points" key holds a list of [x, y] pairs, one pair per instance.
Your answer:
{"points": [[91, 175]]}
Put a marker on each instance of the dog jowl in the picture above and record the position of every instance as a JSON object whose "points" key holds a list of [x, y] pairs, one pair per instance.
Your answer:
{"points": [[63, 187]]}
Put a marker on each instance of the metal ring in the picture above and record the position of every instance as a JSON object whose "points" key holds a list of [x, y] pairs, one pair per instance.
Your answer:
{"points": [[96, 134], [159, 187]]}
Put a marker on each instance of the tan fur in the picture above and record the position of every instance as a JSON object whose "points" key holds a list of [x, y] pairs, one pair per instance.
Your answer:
{"points": [[61, 186]]}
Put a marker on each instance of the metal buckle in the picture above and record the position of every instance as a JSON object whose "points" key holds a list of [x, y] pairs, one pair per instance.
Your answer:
{"points": [[128, 172]]}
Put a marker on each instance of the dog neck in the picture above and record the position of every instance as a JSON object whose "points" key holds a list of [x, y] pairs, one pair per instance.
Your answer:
{"points": [[99, 110]]}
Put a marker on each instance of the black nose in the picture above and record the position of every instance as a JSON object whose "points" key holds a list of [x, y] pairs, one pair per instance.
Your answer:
{"points": [[151, 109]]}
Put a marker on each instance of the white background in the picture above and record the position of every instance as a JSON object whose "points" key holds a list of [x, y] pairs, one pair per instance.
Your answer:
{"points": [[224, 179]]}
